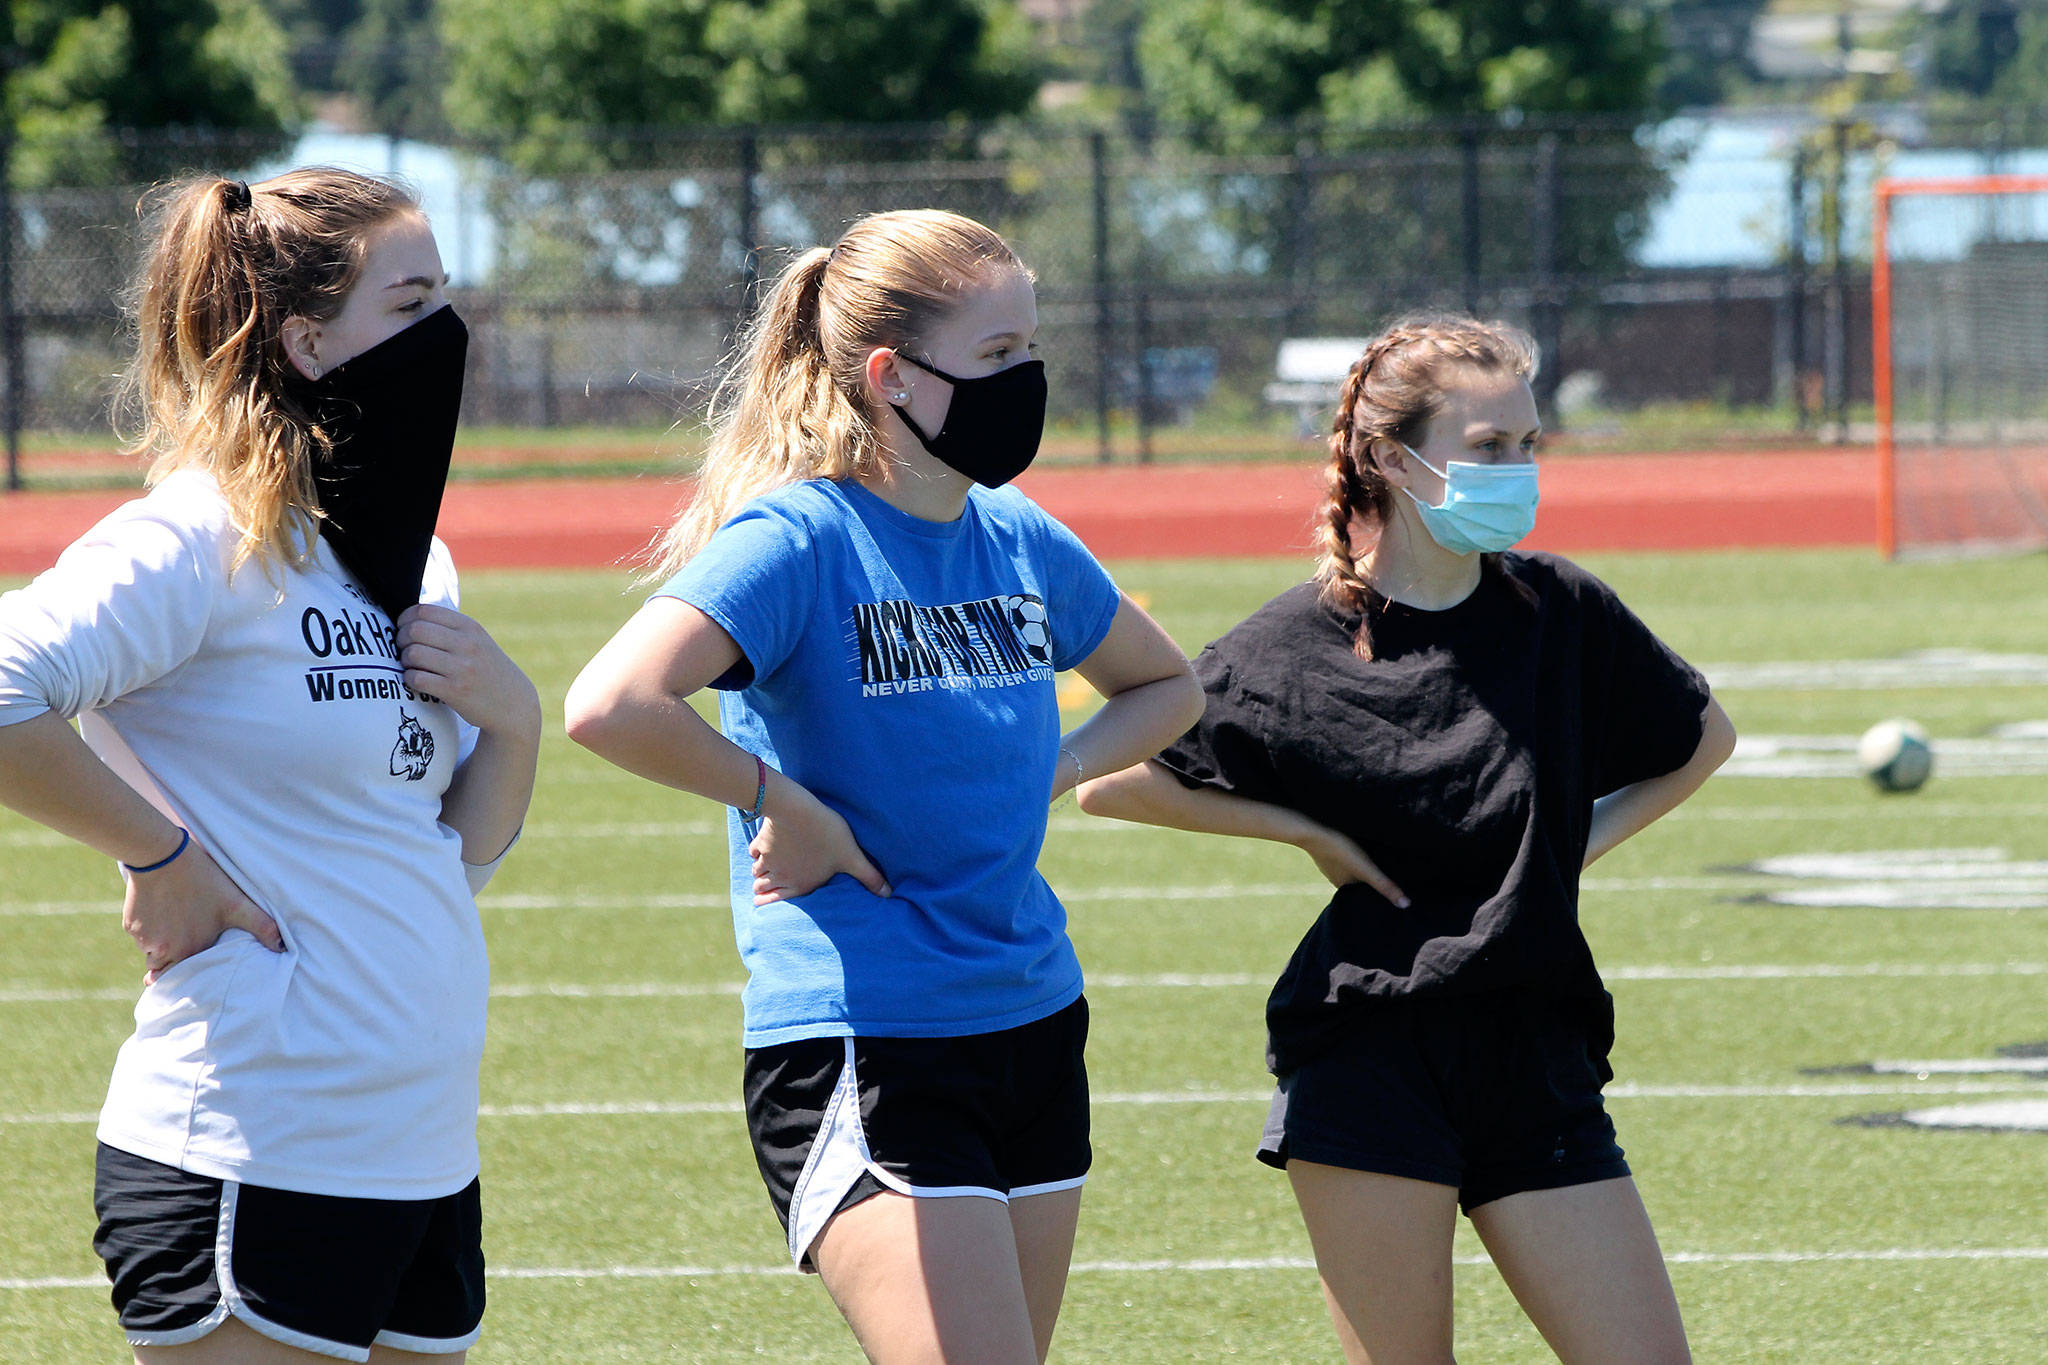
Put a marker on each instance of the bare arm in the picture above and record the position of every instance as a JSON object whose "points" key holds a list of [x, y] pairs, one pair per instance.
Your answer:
{"points": [[1151, 698], [630, 706], [1627, 812], [450, 657], [49, 775], [1149, 794]]}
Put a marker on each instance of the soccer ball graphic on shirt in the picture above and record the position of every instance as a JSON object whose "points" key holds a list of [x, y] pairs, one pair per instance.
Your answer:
{"points": [[1034, 629]]}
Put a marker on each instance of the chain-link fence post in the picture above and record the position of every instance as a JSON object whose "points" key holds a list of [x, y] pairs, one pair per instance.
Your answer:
{"points": [[550, 416], [1795, 291], [750, 219], [1301, 237], [1546, 307], [1105, 342], [1143, 404], [1836, 353], [1468, 142], [10, 315]]}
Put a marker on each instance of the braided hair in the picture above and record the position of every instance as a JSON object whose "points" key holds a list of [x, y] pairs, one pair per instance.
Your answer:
{"points": [[1393, 391]]}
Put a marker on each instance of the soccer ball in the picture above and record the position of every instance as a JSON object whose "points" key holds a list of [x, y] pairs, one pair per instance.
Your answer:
{"points": [[1896, 755], [1027, 617]]}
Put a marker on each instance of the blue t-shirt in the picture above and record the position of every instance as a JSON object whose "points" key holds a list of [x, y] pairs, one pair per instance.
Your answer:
{"points": [[902, 670]]}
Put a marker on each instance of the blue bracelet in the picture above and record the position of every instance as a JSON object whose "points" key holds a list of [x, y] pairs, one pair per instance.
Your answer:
{"points": [[184, 838], [760, 789]]}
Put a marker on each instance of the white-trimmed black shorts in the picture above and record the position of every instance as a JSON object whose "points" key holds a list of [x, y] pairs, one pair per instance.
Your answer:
{"points": [[991, 1115], [329, 1275]]}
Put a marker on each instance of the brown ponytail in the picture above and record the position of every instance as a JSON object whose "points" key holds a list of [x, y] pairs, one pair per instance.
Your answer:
{"points": [[210, 386], [1394, 391], [791, 405]]}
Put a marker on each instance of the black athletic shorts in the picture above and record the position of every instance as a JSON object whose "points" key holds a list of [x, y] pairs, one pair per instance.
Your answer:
{"points": [[1494, 1095], [329, 1275], [995, 1115]]}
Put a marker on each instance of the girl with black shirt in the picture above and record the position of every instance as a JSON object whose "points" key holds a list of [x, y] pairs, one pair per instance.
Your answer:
{"points": [[1453, 733]]}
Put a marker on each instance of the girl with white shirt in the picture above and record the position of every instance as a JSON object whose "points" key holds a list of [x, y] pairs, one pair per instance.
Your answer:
{"points": [[306, 761]]}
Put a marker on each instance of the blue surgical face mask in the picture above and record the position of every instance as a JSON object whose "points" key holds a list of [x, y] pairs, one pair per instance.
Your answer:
{"points": [[1486, 508]]}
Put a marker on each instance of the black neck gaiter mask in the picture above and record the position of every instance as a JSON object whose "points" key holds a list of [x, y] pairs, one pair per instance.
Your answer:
{"points": [[992, 430], [390, 414]]}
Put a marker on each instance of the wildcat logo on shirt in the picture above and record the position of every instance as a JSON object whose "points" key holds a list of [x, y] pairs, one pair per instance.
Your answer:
{"points": [[995, 642], [414, 751]]}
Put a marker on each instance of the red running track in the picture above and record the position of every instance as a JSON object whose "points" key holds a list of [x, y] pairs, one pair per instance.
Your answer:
{"points": [[1746, 500]]}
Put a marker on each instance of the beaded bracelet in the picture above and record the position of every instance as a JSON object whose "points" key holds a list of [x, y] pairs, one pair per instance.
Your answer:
{"points": [[184, 838], [1080, 776], [760, 788]]}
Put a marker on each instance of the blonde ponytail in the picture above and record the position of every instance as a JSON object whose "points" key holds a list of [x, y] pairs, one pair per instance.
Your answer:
{"points": [[791, 405], [777, 416], [210, 386]]}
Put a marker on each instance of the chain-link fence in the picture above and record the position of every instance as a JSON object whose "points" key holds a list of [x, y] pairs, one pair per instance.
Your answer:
{"points": [[1711, 270]]}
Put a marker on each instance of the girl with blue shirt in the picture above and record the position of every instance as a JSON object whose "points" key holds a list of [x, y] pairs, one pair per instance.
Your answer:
{"points": [[883, 621]]}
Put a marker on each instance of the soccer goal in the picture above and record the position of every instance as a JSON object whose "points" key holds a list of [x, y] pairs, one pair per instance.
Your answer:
{"points": [[1959, 322]]}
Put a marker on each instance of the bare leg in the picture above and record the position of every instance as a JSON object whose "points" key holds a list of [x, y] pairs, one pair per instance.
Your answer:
{"points": [[236, 1343], [1383, 1248], [925, 1281], [1585, 1266], [1044, 1227]]}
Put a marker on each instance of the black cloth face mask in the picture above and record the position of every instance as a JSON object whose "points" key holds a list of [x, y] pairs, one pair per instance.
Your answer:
{"points": [[991, 432], [390, 413]]}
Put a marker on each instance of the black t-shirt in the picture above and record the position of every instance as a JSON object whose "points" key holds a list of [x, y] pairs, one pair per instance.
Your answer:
{"points": [[1464, 758]]}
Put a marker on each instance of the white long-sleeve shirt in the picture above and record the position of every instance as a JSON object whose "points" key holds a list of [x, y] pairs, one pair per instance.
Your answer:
{"points": [[266, 714]]}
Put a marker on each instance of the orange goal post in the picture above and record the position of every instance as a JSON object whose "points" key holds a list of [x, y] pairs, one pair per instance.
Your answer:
{"points": [[1959, 329]]}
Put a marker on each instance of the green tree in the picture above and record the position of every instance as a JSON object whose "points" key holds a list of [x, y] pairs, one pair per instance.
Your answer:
{"points": [[1995, 51], [1234, 64], [542, 69], [573, 92], [392, 63], [1707, 44], [870, 61], [315, 31], [87, 69]]}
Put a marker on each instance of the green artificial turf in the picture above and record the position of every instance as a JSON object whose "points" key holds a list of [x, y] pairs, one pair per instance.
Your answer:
{"points": [[1798, 1230]]}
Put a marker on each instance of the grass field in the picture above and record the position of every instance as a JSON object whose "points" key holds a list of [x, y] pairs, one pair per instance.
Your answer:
{"points": [[625, 1221]]}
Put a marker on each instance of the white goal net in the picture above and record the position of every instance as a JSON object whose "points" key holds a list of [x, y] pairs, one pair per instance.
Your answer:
{"points": [[1960, 307]]}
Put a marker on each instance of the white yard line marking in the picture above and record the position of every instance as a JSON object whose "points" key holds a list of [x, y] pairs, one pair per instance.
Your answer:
{"points": [[1965, 1066], [622, 990], [1926, 669], [1825, 1091], [581, 1109], [1196, 1266], [43, 909], [1916, 809], [683, 990], [662, 990], [33, 838], [674, 829], [1819, 971], [2002, 754], [33, 1120], [2004, 1116], [1876, 808], [1306, 891], [653, 901]]}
